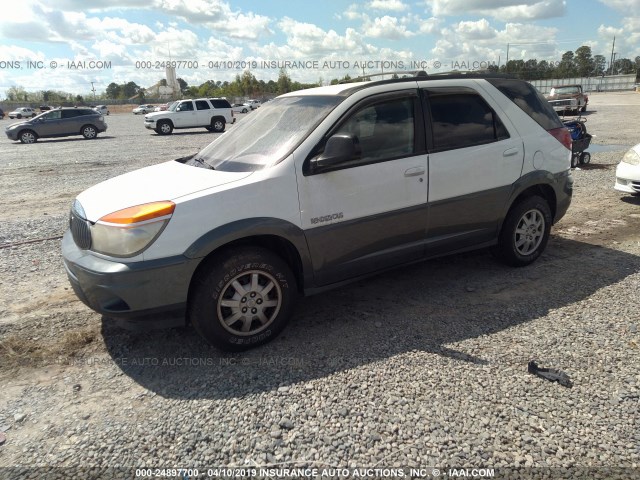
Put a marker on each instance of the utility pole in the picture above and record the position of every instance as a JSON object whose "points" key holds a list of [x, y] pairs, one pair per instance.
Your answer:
{"points": [[93, 89], [506, 63], [612, 56]]}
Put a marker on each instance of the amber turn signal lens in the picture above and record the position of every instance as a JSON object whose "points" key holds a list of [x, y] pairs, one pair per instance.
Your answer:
{"points": [[140, 213]]}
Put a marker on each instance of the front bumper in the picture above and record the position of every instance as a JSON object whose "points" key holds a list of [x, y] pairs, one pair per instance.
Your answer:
{"points": [[12, 134], [150, 124], [154, 290], [627, 178]]}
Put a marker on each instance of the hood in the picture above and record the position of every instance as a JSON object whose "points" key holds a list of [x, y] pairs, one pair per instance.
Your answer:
{"points": [[166, 181], [21, 122], [157, 114]]}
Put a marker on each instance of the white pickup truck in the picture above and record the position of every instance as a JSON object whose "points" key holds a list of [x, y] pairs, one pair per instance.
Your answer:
{"points": [[210, 113]]}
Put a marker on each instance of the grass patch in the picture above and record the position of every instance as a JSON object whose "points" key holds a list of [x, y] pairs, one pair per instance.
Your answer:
{"points": [[18, 350]]}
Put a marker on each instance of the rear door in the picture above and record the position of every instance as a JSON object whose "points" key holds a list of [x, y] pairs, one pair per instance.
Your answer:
{"points": [[369, 213], [71, 122], [203, 112], [475, 157]]}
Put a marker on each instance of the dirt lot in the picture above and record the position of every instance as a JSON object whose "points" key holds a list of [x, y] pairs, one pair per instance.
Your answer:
{"points": [[422, 366]]}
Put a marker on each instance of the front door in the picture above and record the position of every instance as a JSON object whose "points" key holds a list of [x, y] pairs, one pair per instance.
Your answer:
{"points": [[369, 213], [49, 124], [186, 115]]}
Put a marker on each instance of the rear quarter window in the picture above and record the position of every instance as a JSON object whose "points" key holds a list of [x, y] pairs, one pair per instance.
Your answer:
{"points": [[221, 103], [529, 100]]}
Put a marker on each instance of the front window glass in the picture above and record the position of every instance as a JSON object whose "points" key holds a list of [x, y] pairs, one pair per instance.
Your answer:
{"points": [[268, 135], [54, 115], [383, 131]]}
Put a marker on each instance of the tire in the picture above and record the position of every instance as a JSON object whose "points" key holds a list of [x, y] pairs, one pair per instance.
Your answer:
{"points": [[585, 158], [244, 110], [164, 128], [525, 232], [234, 278], [89, 132], [19, 116], [217, 124], [27, 136], [574, 161]]}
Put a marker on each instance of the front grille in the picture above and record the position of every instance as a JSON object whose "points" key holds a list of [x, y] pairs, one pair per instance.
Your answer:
{"points": [[79, 227], [561, 103], [636, 186]]}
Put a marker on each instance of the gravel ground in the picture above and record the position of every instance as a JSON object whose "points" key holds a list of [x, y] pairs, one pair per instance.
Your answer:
{"points": [[423, 366]]}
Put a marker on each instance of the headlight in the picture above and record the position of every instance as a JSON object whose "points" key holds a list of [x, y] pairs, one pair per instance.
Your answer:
{"points": [[127, 232], [631, 157]]}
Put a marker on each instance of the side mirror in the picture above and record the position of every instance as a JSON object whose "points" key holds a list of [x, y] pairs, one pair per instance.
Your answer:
{"points": [[339, 148]]}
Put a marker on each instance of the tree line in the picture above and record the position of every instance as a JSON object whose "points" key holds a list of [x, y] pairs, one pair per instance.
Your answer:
{"points": [[579, 63]]}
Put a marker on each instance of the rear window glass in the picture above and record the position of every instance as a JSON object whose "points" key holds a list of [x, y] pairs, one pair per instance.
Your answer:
{"points": [[529, 100], [463, 119]]}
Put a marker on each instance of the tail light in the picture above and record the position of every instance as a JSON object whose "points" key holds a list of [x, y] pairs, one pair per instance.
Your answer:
{"points": [[562, 135]]}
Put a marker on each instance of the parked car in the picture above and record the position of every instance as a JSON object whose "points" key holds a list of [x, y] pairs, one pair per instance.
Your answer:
{"points": [[568, 98], [103, 109], [23, 112], [61, 122], [241, 108], [628, 172], [254, 103], [210, 113], [1, 114], [144, 109], [321, 187], [44, 108], [162, 107]]}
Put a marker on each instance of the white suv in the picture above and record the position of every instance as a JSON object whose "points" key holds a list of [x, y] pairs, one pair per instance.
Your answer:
{"points": [[317, 188], [210, 113]]}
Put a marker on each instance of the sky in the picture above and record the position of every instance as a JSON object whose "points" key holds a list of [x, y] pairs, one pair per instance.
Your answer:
{"points": [[82, 43]]}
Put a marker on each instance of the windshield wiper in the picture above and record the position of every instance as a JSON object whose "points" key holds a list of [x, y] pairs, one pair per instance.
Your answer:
{"points": [[199, 162]]}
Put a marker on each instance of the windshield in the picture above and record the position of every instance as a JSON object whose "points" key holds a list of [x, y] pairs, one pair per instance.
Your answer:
{"points": [[269, 134], [564, 90]]}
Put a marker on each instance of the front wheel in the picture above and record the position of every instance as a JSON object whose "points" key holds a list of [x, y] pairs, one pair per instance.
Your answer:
{"points": [[585, 158], [28, 137], [242, 298], [525, 232], [164, 128], [19, 116], [574, 160]]}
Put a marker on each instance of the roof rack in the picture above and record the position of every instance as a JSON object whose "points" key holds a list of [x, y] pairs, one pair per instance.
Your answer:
{"points": [[363, 78]]}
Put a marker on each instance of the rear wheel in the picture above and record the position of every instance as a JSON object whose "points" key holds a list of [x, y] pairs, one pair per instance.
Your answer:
{"points": [[19, 116], [525, 232], [164, 128], [27, 136], [89, 132], [242, 298]]}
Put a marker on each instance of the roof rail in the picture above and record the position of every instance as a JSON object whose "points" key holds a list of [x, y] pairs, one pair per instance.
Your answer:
{"points": [[363, 78]]}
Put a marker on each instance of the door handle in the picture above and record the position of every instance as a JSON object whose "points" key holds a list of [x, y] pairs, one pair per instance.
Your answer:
{"points": [[414, 172], [510, 152]]}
